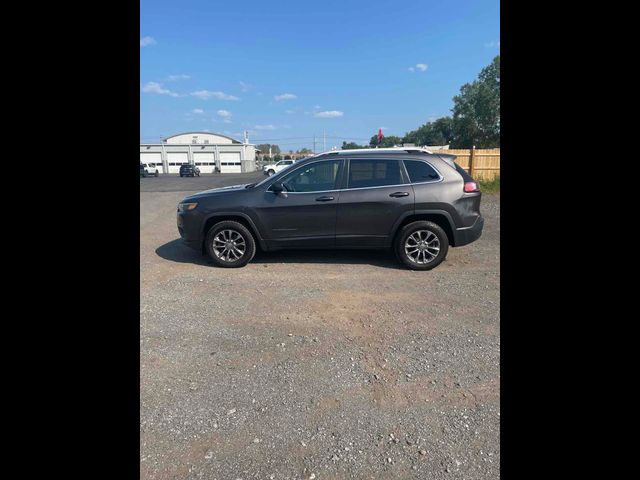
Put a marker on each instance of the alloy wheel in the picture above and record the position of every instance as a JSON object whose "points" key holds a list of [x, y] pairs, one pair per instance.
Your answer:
{"points": [[422, 247], [229, 245]]}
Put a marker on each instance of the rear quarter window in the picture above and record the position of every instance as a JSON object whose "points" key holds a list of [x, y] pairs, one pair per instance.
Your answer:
{"points": [[420, 171]]}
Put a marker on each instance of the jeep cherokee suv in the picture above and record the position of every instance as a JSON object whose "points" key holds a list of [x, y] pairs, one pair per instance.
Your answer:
{"points": [[410, 200]]}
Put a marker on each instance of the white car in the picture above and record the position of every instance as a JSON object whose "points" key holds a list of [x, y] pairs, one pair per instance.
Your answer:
{"points": [[147, 169], [274, 168]]}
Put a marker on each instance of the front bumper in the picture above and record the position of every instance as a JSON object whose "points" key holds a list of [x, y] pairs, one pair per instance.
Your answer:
{"points": [[464, 236], [189, 229]]}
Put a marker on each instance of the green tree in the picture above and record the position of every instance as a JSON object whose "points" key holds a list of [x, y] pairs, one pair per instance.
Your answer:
{"points": [[390, 141], [264, 148], [277, 158], [438, 132], [476, 111], [304, 151], [351, 146]]}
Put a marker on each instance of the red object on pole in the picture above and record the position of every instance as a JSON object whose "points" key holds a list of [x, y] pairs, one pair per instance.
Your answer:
{"points": [[380, 135]]}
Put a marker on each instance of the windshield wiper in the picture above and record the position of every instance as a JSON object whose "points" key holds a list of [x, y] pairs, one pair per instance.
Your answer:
{"points": [[251, 185]]}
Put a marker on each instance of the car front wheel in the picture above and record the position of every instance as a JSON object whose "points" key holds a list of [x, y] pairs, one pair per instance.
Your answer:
{"points": [[230, 244], [421, 245], [270, 172]]}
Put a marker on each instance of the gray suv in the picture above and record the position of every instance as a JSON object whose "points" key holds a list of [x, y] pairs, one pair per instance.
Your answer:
{"points": [[409, 200]]}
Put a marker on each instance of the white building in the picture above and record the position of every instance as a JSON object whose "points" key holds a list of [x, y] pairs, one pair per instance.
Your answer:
{"points": [[202, 149]]}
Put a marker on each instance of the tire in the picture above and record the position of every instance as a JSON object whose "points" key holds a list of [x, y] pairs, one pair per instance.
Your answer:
{"points": [[180, 175], [427, 255], [271, 172], [156, 174], [231, 230]]}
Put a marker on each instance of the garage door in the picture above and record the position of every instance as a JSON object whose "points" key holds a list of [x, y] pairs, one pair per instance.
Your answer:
{"points": [[230, 162], [154, 160], [175, 160], [206, 162]]}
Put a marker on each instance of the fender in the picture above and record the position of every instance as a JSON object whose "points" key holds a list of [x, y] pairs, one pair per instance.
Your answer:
{"points": [[244, 216], [434, 211]]}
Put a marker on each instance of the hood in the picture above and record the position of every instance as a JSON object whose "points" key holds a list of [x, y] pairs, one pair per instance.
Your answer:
{"points": [[213, 191]]}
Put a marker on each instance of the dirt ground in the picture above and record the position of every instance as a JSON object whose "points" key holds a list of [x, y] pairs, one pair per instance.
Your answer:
{"points": [[315, 364]]}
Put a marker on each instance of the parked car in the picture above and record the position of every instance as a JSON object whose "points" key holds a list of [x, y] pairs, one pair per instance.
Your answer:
{"points": [[189, 170], [409, 200], [273, 168], [147, 169]]}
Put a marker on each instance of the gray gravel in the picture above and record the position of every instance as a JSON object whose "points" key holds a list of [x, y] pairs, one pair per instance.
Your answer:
{"points": [[315, 364]]}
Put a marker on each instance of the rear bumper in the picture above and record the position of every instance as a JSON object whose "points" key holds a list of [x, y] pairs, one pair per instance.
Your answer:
{"points": [[464, 236]]}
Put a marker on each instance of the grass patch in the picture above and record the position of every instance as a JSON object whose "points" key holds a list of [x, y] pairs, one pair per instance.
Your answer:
{"points": [[490, 186]]}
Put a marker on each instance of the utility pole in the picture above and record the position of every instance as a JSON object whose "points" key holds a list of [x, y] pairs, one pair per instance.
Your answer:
{"points": [[324, 141], [314, 143]]}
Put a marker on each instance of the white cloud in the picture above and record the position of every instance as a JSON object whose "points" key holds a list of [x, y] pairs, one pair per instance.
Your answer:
{"points": [[225, 115], [245, 87], [289, 111], [329, 114], [155, 87], [173, 78], [492, 44], [146, 41], [206, 95], [285, 96], [419, 66], [197, 111], [265, 127]]}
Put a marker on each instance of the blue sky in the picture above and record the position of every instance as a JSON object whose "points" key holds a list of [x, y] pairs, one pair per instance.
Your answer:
{"points": [[286, 70]]}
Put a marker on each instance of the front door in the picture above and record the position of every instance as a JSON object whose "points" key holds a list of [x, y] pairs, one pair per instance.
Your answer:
{"points": [[304, 215], [375, 196]]}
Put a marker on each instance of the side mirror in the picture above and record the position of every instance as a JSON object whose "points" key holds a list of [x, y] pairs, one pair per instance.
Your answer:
{"points": [[277, 187]]}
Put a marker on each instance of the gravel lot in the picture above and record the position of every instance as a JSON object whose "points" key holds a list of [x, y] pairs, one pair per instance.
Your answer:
{"points": [[315, 364]]}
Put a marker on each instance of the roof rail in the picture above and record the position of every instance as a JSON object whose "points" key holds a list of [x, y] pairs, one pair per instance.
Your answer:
{"points": [[379, 150]]}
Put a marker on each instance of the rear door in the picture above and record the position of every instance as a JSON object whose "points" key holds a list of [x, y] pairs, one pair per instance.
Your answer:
{"points": [[305, 214], [375, 196]]}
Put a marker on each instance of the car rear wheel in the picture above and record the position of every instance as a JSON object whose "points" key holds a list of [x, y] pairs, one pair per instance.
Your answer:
{"points": [[271, 172], [230, 244], [156, 174], [421, 245]]}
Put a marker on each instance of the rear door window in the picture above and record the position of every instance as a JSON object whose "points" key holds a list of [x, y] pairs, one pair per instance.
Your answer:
{"points": [[374, 173]]}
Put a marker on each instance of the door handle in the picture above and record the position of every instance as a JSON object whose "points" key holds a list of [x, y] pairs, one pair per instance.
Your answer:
{"points": [[399, 194], [325, 198]]}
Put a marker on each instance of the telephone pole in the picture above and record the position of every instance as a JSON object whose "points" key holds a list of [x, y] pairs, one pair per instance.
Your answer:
{"points": [[314, 144], [324, 141]]}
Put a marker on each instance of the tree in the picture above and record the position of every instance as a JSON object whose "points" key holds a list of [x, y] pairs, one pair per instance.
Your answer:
{"points": [[390, 141], [351, 146], [438, 132], [304, 151], [277, 158], [264, 148], [476, 111]]}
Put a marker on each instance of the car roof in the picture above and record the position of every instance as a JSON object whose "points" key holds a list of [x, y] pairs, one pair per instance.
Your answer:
{"points": [[379, 150]]}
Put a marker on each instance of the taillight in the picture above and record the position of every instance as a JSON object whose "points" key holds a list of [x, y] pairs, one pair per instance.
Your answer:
{"points": [[470, 187]]}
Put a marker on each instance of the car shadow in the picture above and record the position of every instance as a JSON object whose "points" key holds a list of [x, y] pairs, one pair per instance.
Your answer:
{"points": [[176, 251]]}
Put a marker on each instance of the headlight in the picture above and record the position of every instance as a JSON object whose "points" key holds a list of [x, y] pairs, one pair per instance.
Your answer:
{"points": [[185, 207]]}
